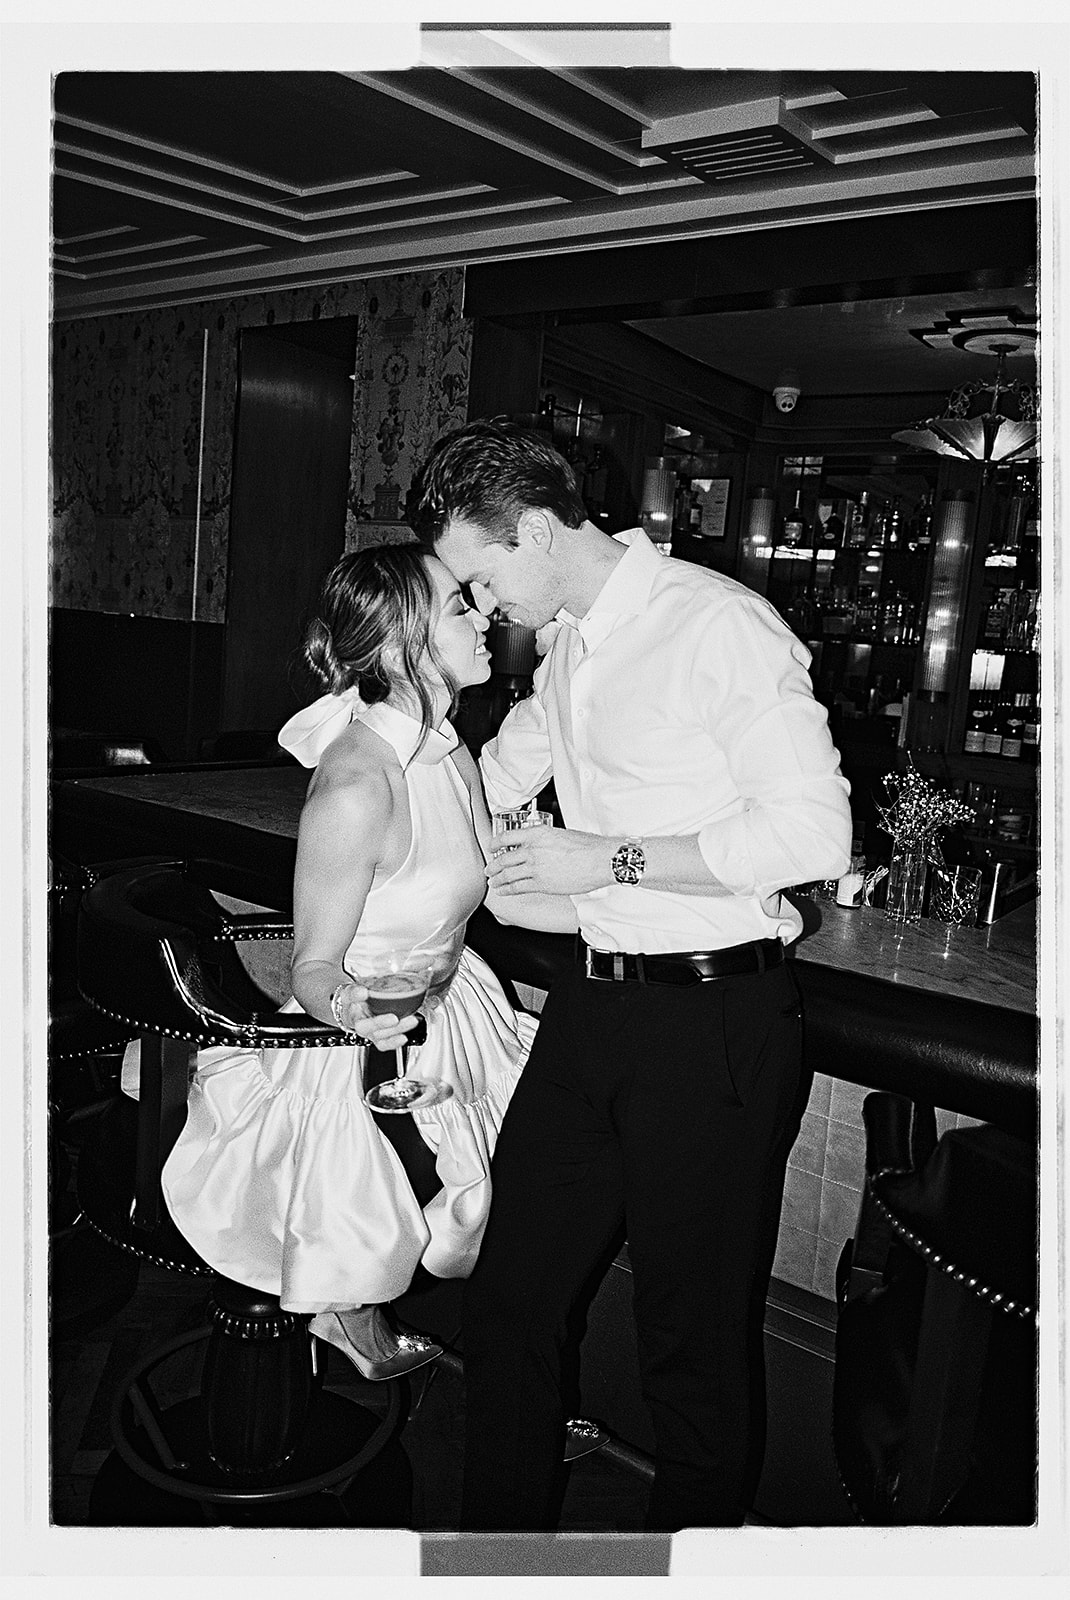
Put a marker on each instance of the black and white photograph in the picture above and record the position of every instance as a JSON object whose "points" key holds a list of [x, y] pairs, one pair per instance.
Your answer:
{"points": [[538, 667]]}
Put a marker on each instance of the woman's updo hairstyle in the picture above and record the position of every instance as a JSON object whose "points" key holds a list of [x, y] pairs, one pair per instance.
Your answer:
{"points": [[372, 631]]}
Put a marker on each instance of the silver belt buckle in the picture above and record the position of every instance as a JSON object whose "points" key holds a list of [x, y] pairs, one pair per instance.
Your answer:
{"points": [[596, 977]]}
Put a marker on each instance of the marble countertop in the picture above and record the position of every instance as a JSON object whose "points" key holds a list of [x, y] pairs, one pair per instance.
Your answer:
{"points": [[266, 798], [995, 965]]}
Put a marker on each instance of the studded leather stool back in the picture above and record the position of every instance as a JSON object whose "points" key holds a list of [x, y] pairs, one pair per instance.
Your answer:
{"points": [[935, 1401], [157, 955]]}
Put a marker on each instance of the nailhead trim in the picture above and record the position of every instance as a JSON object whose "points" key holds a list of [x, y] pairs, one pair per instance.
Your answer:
{"points": [[157, 1260], [280, 1324], [236, 1475], [253, 1035], [997, 1300]]}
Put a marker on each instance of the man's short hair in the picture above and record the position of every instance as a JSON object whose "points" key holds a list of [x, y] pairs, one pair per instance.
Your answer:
{"points": [[489, 473]]}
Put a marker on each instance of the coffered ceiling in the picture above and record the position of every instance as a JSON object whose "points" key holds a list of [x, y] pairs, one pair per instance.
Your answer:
{"points": [[176, 186]]}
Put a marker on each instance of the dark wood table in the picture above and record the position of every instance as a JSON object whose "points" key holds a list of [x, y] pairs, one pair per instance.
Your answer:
{"points": [[240, 822]]}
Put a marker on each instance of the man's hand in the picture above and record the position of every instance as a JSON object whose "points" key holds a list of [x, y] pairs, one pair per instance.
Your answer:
{"points": [[550, 861]]}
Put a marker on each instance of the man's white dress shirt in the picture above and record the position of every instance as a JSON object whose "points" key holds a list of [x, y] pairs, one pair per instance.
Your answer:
{"points": [[681, 704]]}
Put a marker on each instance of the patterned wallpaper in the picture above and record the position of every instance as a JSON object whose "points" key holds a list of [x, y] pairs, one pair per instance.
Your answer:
{"points": [[127, 430]]}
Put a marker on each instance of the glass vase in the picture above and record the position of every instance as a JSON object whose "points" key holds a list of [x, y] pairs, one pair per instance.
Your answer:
{"points": [[907, 874]]}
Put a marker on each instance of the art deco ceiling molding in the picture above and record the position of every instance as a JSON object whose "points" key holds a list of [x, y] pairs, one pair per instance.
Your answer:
{"points": [[173, 187]]}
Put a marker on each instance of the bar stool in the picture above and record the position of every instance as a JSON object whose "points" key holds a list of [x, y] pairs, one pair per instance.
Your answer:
{"points": [[934, 1399], [89, 1281], [156, 954]]}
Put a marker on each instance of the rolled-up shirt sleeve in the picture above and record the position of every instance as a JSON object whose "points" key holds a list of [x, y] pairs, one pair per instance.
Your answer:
{"points": [[753, 690], [516, 764]]}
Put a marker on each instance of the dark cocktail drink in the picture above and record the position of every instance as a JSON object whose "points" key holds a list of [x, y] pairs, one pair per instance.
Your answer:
{"points": [[399, 992]]}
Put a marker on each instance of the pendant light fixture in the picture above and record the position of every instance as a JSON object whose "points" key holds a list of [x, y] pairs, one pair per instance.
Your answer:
{"points": [[1004, 429]]}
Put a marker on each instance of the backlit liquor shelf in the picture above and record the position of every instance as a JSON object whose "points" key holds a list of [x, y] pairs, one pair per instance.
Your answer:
{"points": [[916, 591]]}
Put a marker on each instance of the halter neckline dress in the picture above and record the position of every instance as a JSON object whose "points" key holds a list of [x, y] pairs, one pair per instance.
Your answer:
{"points": [[281, 1178]]}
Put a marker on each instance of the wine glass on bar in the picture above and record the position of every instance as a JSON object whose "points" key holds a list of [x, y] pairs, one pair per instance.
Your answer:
{"points": [[399, 983]]}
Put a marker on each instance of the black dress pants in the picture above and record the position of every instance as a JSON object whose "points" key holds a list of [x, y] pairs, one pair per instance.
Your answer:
{"points": [[671, 1110]]}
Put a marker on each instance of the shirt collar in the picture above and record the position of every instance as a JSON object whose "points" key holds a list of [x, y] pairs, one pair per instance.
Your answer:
{"points": [[625, 593]]}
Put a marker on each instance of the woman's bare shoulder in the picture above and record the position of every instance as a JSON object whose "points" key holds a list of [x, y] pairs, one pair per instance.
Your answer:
{"points": [[357, 772]]}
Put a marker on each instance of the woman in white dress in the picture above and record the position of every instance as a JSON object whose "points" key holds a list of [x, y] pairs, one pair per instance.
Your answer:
{"points": [[282, 1178]]}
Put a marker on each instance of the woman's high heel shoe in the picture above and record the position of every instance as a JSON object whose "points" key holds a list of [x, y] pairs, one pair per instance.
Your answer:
{"points": [[581, 1437], [411, 1350]]}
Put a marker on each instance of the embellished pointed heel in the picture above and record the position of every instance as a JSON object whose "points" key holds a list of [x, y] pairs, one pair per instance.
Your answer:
{"points": [[582, 1437], [410, 1350]]}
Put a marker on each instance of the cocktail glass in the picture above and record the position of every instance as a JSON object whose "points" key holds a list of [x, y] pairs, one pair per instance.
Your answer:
{"points": [[399, 984]]}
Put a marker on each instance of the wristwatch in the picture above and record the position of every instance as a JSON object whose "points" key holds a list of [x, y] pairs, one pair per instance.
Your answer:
{"points": [[629, 862]]}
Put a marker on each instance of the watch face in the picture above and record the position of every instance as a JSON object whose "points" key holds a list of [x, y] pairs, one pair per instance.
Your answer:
{"points": [[628, 863]]}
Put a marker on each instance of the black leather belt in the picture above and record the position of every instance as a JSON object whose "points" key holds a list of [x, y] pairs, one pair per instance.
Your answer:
{"points": [[685, 967]]}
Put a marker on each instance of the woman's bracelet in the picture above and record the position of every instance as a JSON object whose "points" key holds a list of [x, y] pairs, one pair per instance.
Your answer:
{"points": [[335, 1003]]}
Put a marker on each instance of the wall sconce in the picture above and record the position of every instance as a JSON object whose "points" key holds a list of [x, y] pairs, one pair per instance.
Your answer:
{"points": [[950, 559], [659, 490], [943, 622], [756, 546]]}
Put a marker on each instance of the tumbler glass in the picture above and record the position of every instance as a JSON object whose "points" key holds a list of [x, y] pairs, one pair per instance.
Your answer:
{"points": [[955, 895]]}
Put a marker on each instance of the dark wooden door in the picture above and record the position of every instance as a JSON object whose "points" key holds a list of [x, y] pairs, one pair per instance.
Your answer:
{"points": [[288, 508]]}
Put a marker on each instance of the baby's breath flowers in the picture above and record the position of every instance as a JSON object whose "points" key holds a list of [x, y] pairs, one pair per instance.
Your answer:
{"points": [[917, 810]]}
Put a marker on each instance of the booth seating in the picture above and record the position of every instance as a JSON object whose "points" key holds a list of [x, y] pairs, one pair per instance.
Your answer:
{"points": [[74, 748], [263, 1439], [243, 744], [935, 1405]]}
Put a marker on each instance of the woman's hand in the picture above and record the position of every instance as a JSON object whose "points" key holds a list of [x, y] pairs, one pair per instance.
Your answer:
{"points": [[385, 1032]]}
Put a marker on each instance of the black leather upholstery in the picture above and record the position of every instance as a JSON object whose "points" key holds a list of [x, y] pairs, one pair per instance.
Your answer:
{"points": [[934, 1408], [972, 1209], [976, 1059], [154, 951]]}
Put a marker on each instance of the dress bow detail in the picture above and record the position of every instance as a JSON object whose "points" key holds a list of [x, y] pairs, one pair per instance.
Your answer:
{"points": [[309, 732]]}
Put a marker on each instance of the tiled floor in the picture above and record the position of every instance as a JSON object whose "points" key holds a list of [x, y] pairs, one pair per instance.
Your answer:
{"points": [[86, 1369]]}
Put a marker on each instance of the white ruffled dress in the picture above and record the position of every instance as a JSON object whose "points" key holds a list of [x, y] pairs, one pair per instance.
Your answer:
{"points": [[281, 1178]]}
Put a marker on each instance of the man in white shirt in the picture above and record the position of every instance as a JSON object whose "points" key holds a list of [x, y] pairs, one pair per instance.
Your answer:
{"points": [[696, 779]]}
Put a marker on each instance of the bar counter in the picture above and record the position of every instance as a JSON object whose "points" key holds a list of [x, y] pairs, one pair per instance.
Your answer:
{"points": [[944, 1015], [244, 821], [994, 966]]}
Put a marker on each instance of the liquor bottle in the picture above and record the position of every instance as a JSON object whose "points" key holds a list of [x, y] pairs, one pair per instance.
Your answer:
{"points": [[993, 731], [893, 532], [681, 509], [859, 535], [1028, 562], [866, 614], [995, 623], [833, 531], [1030, 727], [794, 532], [1011, 746], [975, 730]]}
